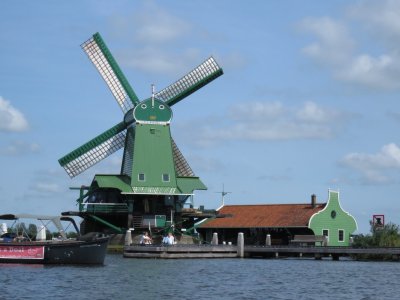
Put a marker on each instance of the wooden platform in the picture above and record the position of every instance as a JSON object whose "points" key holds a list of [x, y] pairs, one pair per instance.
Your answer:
{"points": [[231, 251], [180, 251], [317, 252]]}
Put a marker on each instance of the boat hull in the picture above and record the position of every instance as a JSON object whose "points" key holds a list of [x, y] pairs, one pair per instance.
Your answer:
{"points": [[55, 252]]}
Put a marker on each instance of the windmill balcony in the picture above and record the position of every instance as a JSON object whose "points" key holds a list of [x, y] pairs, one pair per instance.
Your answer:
{"points": [[104, 208]]}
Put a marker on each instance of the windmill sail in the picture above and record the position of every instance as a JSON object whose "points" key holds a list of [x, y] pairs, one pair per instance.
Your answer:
{"points": [[94, 151], [127, 162], [108, 68], [181, 165], [125, 134], [191, 82]]}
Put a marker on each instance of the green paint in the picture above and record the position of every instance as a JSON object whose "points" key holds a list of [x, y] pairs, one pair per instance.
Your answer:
{"points": [[153, 157], [93, 143], [120, 182], [333, 219], [148, 165], [108, 224], [188, 184], [121, 77], [152, 111]]}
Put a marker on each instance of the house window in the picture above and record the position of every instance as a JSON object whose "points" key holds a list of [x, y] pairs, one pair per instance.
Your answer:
{"points": [[165, 177], [341, 235], [325, 232], [141, 177]]}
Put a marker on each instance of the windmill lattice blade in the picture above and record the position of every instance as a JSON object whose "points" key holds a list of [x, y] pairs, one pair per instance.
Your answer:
{"points": [[191, 82], [127, 162], [108, 68], [181, 165], [94, 151]]}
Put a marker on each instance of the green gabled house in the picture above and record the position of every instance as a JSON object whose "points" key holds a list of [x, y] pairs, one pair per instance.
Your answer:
{"points": [[334, 222], [282, 222]]}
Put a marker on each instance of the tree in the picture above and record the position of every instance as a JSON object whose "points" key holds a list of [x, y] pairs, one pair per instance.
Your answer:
{"points": [[382, 236]]}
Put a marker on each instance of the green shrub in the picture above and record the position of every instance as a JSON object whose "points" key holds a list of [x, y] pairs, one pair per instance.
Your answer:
{"points": [[385, 236]]}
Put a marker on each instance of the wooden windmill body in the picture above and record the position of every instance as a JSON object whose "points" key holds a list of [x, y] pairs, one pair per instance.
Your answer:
{"points": [[155, 179]]}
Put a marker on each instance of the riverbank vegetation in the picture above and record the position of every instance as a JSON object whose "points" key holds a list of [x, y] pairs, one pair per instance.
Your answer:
{"points": [[380, 236]]}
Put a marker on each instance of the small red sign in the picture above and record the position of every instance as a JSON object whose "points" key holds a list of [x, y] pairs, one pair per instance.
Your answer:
{"points": [[378, 220], [22, 252]]}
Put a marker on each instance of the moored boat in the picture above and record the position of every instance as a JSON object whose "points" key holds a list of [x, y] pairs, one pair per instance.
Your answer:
{"points": [[33, 245]]}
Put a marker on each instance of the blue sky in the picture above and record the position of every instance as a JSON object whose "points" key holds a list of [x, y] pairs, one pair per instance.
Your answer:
{"points": [[309, 100]]}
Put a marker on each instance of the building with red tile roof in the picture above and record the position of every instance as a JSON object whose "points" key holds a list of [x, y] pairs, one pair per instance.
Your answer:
{"points": [[280, 221]]}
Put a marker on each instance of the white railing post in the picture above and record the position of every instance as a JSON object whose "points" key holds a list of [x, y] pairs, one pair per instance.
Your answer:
{"points": [[240, 245], [128, 238], [268, 240], [214, 239]]}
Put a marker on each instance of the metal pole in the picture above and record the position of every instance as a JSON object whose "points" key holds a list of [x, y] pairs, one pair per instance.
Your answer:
{"points": [[240, 245]]}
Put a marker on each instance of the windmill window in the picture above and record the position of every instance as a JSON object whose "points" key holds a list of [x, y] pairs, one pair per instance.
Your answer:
{"points": [[141, 177], [165, 177], [152, 130], [341, 235], [144, 106], [161, 106]]}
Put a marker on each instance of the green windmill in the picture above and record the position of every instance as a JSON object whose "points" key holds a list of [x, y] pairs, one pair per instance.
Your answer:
{"points": [[155, 179]]}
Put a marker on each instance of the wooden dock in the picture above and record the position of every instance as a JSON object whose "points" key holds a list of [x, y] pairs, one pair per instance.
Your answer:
{"points": [[215, 250], [231, 251], [317, 251], [180, 251]]}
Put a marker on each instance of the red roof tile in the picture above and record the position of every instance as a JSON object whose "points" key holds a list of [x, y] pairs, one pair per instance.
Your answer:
{"points": [[262, 216]]}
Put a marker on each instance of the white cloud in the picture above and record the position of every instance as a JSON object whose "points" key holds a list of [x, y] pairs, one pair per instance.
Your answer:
{"points": [[261, 121], [375, 66], [311, 112], [257, 110], [19, 148], [155, 25], [378, 72], [160, 42], [334, 43], [379, 17], [154, 33], [11, 119], [374, 167], [155, 60]]}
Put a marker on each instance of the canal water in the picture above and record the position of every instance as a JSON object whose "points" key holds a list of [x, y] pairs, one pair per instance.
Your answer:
{"points": [[219, 279]]}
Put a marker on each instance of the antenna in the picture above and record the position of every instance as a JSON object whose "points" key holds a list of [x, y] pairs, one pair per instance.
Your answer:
{"points": [[223, 194], [152, 95]]}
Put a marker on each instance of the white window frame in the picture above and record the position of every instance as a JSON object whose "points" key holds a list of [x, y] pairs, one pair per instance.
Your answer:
{"points": [[165, 174], [341, 241]]}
